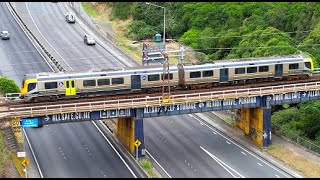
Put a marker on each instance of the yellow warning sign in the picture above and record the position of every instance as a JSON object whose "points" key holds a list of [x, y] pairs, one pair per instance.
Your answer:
{"points": [[25, 162], [137, 143]]}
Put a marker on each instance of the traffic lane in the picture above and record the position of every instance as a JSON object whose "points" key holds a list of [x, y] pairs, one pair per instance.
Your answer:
{"points": [[68, 39], [173, 146], [18, 55], [232, 158], [238, 158], [84, 153]]}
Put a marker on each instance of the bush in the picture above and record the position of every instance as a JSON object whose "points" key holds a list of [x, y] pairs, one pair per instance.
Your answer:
{"points": [[8, 86]]}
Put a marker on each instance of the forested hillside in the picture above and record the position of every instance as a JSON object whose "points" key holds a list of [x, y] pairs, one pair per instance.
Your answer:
{"points": [[224, 30]]}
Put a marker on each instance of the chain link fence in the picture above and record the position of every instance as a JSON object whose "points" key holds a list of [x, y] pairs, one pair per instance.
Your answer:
{"points": [[297, 139]]}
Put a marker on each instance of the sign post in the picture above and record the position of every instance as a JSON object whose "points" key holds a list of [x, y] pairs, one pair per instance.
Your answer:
{"points": [[137, 143], [25, 163]]}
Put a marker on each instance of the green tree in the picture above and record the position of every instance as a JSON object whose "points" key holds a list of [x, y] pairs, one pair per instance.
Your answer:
{"points": [[262, 43], [311, 44], [8, 86], [310, 114]]}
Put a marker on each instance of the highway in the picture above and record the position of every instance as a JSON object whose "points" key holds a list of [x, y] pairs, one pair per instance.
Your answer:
{"points": [[18, 56], [182, 145], [63, 150]]}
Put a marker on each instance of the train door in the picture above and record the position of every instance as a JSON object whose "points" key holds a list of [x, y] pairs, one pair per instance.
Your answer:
{"points": [[224, 74], [135, 82], [70, 87], [278, 70]]}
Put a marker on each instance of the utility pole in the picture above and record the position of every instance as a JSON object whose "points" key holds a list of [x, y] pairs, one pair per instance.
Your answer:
{"points": [[165, 73]]}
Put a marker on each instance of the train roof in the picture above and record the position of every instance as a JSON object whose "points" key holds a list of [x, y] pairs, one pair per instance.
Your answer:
{"points": [[104, 72], [249, 62]]}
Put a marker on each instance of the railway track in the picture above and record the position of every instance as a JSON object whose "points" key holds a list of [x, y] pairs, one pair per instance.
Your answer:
{"points": [[271, 85]]}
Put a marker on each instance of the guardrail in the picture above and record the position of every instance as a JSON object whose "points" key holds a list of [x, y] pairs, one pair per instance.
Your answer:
{"points": [[157, 101]]}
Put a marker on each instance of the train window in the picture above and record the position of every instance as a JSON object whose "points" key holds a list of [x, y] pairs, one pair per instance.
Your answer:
{"points": [[50, 85], [102, 82], [263, 68], [207, 73], [308, 65], [294, 66], [239, 70], [196, 74], [31, 86], [117, 80], [251, 69], [153, 77], [87, 83], [166, 76]]}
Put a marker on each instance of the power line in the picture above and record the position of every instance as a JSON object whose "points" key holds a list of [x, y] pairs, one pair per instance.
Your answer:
{"points": [[260, 47], [240, 36]]}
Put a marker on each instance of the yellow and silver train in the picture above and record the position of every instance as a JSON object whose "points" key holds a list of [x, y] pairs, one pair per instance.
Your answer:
{"points": [[51, 86]]}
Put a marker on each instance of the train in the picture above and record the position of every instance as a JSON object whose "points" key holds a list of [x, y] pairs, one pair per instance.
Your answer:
{"points": [[49, 86]]}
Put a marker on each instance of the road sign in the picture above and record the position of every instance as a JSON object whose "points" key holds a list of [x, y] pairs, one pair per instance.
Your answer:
{"points": [[25, 162], [21, 154], [137, 143], [30, 123]]}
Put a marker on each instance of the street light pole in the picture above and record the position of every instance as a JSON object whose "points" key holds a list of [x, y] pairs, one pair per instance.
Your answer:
{"points": [[164, 23]]}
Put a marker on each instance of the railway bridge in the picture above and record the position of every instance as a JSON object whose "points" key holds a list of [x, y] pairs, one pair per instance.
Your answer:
{"points": [[253, 114]]}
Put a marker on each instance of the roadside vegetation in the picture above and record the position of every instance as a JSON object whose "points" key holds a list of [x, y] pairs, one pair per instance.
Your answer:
{"points": [[8, 86], [147, 166], [308, 168], [5, 159], [6, 167]]}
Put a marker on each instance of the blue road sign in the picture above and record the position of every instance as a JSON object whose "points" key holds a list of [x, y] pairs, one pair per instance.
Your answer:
{"points": [[30, 123]]}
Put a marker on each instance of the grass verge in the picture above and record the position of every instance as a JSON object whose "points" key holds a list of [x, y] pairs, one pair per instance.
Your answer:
{"points": [[147, 166], [306, 167], [4, 157]]}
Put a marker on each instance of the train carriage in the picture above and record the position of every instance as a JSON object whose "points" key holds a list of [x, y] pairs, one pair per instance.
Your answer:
{"points": [[50, 86]]}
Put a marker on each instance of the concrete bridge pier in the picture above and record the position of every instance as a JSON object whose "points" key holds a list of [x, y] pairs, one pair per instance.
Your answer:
{"points": [[256, 123], [130, 131]]}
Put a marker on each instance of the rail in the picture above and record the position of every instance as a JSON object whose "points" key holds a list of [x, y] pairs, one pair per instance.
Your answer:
{"points": [[30, 110]]}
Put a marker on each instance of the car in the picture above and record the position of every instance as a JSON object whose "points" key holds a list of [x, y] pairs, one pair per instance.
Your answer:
{"points": [[70, 18], [5, 35], [89, 40]]}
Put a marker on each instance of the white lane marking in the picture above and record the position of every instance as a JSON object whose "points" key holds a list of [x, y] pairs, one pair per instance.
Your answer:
{"points": [[222, 164], [45, 38], [245, 150], [190, 115], [34, 156], [277, 176], [260, 164], [159, 164], [228, 142], [29, 38], [214, 132], [243, 153], [114, 149]]}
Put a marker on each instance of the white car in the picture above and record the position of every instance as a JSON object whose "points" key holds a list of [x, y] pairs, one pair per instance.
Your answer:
{"points": [[89, 40], [5, 35], [70, 18]]}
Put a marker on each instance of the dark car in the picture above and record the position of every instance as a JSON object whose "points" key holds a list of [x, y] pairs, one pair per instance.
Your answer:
{"points": [[89, 40], [70, 18], [5, 35]]}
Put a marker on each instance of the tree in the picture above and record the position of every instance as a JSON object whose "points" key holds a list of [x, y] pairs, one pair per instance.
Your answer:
{"points": [[8, 86]]}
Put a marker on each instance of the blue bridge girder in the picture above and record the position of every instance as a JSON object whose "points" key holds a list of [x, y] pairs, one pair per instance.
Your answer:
{"points": [[178, 104]]}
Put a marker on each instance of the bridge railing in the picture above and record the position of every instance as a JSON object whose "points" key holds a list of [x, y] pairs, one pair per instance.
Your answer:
{"points": [[316, 71], [157, 101]]}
